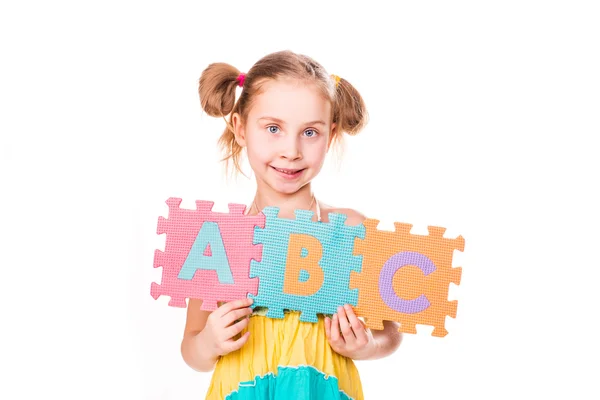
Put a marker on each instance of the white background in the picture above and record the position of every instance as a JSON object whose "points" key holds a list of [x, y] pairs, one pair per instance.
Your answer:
{"points": [[484, 116]]}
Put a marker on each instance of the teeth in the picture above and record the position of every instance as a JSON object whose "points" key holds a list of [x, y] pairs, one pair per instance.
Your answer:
{"points": [[287, 171]]}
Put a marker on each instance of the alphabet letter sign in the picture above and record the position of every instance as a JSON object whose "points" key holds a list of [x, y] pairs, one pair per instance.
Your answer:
{"points": [[311, 267]]}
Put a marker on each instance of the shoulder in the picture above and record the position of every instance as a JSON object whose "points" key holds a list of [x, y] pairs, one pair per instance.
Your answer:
{"points": [[354, 217]]}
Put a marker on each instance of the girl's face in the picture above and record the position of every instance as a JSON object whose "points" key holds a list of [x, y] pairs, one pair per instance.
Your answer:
{"points": [[287, 134]]}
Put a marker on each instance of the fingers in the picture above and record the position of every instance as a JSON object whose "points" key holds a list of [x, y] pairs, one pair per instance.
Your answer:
{"points": [[345, 325], [358, 327], [335, 329], [230, 312], [233, 345], [347, 334], [235, 315], [236, 328], [232, 305]]}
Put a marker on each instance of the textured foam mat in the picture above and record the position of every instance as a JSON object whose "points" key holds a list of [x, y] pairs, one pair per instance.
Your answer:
{"points": [[303, 265]]}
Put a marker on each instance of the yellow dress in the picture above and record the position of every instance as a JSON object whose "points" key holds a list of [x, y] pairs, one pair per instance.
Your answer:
{"points": [[285, 359]]}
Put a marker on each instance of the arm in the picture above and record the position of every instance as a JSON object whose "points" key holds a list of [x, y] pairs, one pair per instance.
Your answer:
{"points": [[193, 351], [386, 341]]}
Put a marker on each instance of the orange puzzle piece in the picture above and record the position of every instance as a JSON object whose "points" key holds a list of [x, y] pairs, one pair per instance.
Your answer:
{"points": [[405, 277]]}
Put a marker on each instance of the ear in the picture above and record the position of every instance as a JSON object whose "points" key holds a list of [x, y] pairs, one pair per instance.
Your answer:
{"points": [[238, 129], [332, 133]]}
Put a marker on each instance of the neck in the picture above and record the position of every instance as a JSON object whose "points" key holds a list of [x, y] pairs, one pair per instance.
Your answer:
{"points": [[303, 199]]}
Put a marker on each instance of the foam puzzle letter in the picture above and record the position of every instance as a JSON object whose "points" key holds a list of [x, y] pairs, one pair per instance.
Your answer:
{"points": [[303, 265], [303, 274], [188, 272], [209, 235], [336, 262], [405, 277], [386, 290]]}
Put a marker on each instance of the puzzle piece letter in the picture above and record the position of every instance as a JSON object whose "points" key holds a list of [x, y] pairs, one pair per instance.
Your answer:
{"points": [[207, 254], [386, 289], [405, 277], [209, 235], [305, 265], [303, 274]]}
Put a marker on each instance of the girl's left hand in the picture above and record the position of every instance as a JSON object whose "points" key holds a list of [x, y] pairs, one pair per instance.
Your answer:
{"points": [[348, 336]]}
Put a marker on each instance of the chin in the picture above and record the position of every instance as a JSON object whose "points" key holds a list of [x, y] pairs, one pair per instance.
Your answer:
{"points": [[287, 188]]}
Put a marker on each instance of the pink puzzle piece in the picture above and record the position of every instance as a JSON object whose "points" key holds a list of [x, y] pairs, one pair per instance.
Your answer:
{"points": [[207, 254]]}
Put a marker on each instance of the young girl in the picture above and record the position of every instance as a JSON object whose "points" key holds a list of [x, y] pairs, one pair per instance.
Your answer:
{"points": [[288, 115]]}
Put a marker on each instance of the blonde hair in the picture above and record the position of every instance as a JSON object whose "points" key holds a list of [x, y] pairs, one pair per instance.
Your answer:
{"points": [[218, 83]]}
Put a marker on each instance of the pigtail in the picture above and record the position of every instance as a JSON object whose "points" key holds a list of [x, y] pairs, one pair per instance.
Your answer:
{"points": [[350, 113], [217, 87]]}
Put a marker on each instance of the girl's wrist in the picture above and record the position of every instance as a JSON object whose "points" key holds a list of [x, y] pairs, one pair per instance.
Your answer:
{"points": [[376, 349], [205, 349], [371, 352]]}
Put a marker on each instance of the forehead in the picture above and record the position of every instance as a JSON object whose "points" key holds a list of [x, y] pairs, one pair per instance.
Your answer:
{"points": [[290, 100]]}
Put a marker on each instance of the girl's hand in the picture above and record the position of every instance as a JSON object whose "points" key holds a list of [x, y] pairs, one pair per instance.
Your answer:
{"points": [[348, 336], [222, 326]]}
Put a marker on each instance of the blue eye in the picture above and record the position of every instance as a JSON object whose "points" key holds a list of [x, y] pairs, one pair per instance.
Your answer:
{"points": [[273, 129], [310, 132]]}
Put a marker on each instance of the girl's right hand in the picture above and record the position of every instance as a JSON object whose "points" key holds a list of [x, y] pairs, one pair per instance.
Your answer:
{"points": [[221, 327]]}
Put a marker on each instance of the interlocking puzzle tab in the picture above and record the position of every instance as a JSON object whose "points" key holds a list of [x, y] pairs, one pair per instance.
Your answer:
{"points": [[207, 254], [305, 265], [405, 277]]}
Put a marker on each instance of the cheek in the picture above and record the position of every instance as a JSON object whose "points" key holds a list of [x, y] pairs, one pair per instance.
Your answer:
{"points": [[259, 153], [254, 144], [255, 156], [316, 155]]}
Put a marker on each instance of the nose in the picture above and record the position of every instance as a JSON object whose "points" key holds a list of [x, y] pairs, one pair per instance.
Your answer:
{"points": [[291, 148]]}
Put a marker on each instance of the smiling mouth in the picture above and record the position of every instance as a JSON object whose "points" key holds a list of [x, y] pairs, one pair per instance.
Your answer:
{"points": [[288, 171]]}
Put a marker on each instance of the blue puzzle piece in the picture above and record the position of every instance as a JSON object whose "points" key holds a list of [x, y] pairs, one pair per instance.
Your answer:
{"points": [[337, 262]]}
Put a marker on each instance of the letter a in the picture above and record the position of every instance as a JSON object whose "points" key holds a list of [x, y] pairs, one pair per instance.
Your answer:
{"points": [[209, 234]]}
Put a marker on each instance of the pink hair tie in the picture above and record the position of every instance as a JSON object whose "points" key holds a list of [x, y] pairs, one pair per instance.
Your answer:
{"points": [[241, 79]]}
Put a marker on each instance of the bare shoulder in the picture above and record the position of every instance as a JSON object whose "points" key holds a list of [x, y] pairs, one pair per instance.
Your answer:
{"points": [[354, 217]]}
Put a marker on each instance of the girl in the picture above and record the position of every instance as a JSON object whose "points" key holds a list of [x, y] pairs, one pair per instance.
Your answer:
{"points": [[289, 113]]}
